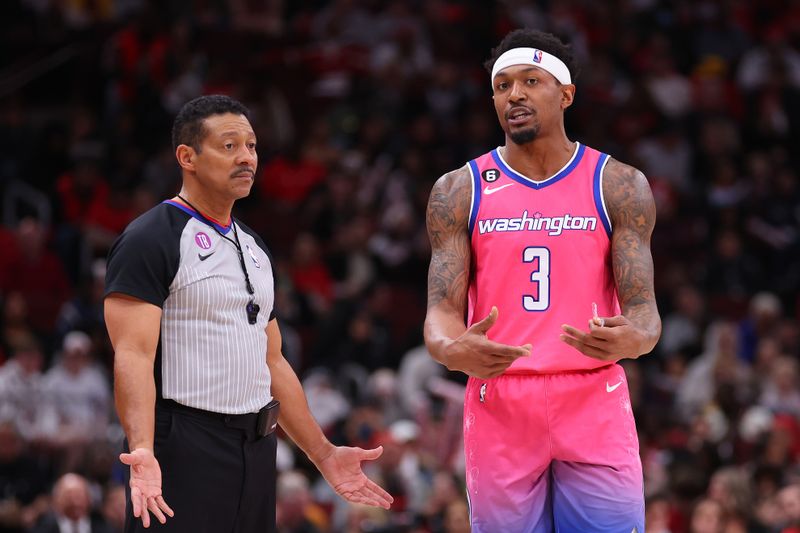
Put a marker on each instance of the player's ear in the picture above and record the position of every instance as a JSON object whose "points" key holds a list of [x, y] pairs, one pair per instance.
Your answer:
{"points": [[185, 155], [567, 95]]}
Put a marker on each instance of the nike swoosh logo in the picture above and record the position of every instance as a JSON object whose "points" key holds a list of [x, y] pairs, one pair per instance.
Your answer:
{"points": [[204, 257], [612, 388], [489, 190]]}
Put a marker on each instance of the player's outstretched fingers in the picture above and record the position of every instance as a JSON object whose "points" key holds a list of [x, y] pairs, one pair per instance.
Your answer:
{"points": [[587, 339], [587, 349], [599, 331], [575, 333], [484, 325], [615, 321]]}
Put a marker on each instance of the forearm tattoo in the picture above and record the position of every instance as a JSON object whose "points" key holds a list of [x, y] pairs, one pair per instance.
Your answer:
{"points": [[632, 210], [447, 219]]}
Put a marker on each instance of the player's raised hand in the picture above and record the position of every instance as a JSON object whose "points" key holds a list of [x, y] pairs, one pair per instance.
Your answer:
{"points": [[476, 355], [608, 339]]}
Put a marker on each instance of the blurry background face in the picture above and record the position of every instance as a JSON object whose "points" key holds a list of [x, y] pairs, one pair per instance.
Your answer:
{"points": [[657, 515], [10, 443], [77, 352], [75, 361], [457, 518], [71, 497], [30, 360], [31, 235], [789, 499], [15, 307], [114, 507], [707, 518]]}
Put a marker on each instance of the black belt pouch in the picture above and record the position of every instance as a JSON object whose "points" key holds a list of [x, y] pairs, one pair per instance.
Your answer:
{"points": [[268, 418]]}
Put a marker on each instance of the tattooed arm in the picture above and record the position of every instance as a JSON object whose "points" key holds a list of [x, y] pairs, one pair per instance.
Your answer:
{"points": [[635, 332], [633, 214], [448, 339]]}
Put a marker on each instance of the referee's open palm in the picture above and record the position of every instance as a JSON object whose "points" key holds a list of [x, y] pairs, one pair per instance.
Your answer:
{"points": [[146, 486], [342, 470]]}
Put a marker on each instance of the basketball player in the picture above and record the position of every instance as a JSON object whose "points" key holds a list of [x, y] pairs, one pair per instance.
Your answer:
{"points": [[543, 246]]}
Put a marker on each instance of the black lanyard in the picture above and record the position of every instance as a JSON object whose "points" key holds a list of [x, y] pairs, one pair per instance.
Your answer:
{"points": [[252, 308]]}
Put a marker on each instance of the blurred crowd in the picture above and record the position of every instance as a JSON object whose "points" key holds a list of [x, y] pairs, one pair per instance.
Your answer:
{"points": [[359, 105]]}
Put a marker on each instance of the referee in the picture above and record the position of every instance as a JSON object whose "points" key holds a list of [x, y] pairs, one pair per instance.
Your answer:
{"points": [[199, 377]]}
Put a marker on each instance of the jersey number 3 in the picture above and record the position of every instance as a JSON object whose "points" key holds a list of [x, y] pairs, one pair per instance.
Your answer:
{"points": [[540, 276]]}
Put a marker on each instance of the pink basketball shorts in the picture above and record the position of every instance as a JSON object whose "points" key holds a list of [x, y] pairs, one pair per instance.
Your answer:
{"points": [[553, 452]]}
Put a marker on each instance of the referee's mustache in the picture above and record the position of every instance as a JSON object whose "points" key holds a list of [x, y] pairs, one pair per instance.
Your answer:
{"points": [[243, 170]]}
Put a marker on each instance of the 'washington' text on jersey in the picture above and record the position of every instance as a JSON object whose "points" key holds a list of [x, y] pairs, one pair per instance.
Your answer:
{"points": [[538, 222]]}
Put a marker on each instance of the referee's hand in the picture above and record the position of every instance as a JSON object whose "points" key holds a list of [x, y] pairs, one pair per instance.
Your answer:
{"points": [[342, 470], [146, 486]]}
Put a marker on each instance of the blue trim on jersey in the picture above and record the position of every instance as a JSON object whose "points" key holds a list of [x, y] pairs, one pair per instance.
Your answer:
{"points": [[519, 178], [191, 212], [598, 197], [476, 194]]}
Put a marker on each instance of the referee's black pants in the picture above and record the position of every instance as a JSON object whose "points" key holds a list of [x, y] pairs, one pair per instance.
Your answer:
{"points": [[217, 474]]}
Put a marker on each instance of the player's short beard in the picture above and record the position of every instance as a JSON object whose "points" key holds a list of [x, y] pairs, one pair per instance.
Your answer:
{"points": [[525, 136]]}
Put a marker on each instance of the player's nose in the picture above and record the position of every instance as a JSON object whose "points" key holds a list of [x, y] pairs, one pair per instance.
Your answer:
{"points": [[517, 93]]}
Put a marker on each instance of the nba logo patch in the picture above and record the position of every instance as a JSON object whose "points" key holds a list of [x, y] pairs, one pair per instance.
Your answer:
{"points": [[252, 256], [537, 56]]}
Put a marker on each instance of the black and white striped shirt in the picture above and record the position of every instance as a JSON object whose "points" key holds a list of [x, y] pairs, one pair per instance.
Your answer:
{"points": [[209, 356]]}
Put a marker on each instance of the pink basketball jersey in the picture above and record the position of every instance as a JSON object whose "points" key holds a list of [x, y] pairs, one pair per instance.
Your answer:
{"points": [[541, 253]]}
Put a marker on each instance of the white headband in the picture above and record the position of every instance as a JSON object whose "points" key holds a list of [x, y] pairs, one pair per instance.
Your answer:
{"points": [[535, 57]]}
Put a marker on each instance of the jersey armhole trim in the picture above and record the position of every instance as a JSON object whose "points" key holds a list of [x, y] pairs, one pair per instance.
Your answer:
{"points": [[599, 199], [476, 195]]}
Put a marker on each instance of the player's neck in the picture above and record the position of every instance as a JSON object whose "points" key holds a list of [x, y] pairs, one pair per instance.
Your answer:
{"points": [[540, 158], [215, 210]]}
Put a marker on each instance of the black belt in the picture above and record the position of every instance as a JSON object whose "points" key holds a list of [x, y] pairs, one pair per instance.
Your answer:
{"points": [[261, 423]]}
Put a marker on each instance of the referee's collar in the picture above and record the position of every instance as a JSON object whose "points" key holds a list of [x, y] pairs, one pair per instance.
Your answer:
{"points": [[199, 216]]}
